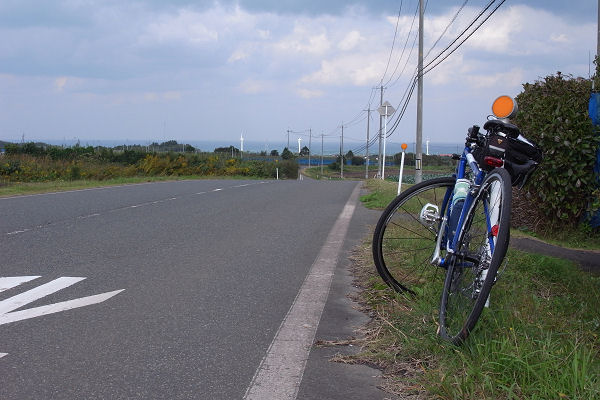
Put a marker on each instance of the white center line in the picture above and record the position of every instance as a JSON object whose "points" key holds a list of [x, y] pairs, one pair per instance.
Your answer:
{"points": [[118, 209]]}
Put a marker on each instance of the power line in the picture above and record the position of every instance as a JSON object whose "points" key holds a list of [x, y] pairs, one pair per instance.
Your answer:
{"points": [[410, 31], [465, 39], [393, 42], [412, 84]]}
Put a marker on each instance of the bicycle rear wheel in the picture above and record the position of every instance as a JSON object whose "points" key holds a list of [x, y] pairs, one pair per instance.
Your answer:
{"points": [[405, 236], [481, 247]]}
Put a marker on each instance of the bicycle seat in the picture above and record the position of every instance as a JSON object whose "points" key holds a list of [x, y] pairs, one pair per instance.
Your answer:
{"points": [[497, 125]]}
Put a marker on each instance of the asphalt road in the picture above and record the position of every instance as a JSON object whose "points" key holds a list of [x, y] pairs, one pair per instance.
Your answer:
{"points": [[208, 269]]}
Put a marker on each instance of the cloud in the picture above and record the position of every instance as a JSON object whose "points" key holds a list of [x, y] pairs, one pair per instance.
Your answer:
{"points": [[523, 30], [309, 94], [351, 40], [302, 40], [59, 83], [109, 59], [351, 69], [508, 79], [184, 27], [253, 86]]}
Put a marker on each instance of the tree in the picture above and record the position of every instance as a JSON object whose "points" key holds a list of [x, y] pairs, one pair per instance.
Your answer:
{"points": [[357, 160], [231, 150], [305, 151], [286, 154], [274, 153]]}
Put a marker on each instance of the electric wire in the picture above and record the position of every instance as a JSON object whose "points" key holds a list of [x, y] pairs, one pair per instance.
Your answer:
{"points": [[393, 42], [430, 67]]}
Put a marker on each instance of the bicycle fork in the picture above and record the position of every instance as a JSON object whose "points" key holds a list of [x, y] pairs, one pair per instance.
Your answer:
{"points": [[491, 207], [429, 216]]}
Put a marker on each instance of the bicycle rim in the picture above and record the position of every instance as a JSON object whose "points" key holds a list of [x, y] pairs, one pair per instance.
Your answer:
{"points": [[472, 273], [403, 243]]}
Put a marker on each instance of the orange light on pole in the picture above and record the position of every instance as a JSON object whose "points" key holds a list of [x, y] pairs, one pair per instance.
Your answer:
{"points": [[404, 146], [504, 107]]}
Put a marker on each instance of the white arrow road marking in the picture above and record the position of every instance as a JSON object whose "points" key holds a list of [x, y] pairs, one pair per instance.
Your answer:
{"points": [[56, 307], [7, 306], [10, 282], [7, 315], [36, 293]]}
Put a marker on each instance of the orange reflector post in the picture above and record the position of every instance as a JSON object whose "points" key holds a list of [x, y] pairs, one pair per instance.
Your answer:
{"points": [[504, 107]]}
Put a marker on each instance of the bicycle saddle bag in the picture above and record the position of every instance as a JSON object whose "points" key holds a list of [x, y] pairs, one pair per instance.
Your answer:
{"points": [[520, 156]]}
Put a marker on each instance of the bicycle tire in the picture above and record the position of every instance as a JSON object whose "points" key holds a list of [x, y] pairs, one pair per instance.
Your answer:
{"points": [[472, 272], [402, 244]]}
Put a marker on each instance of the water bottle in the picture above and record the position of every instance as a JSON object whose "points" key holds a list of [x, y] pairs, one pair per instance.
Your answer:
{"points": [[461, 188]]}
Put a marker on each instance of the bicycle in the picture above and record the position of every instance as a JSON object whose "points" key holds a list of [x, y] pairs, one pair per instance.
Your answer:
{"points": [[459, 225]]}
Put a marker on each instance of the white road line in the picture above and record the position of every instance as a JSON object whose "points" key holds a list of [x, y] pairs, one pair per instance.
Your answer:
{"points": [[88, 216], [36, 293], [17, 232], [279, 375], [56, 307], [117, 209], [3, 354], [9, 282]]}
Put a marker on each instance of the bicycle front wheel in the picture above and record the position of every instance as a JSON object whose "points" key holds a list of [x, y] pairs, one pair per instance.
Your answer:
{"points": [[405, 236], [481, 247]]}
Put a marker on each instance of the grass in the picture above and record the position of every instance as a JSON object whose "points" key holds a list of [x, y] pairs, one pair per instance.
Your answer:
{"points": [[538, 340], [581, 238], [16, 189]]}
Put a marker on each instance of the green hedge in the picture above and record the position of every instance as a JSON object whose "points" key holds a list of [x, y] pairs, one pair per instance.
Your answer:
{"points": [[553, 113]]}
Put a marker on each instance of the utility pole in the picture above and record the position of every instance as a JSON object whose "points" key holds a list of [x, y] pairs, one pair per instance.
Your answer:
{"points": [[309, 145], [367, 157], [288, 132], [598, 37], [342, 154], [322, 153], [380, 133], [419, 151]]}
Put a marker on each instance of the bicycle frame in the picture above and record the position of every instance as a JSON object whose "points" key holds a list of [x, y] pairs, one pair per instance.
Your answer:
{"points": [[466, 160]]}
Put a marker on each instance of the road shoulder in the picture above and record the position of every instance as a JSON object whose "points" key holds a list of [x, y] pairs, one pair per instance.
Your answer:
{"points": [[326, 379]]}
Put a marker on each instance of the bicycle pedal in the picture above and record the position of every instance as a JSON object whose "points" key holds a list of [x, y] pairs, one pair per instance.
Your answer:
{"points": [[430, 214]]}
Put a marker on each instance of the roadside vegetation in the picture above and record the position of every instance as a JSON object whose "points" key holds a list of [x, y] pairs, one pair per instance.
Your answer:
{"points": [[31, 167], [538, 340], [355, 168]]}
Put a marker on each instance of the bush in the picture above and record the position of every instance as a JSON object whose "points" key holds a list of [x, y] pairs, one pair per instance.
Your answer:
{"points": [[288, 169], [357, 160], [553, 114]]}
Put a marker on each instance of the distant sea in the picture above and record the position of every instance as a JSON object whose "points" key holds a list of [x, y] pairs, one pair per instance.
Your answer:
{"points": [[257, 146]]}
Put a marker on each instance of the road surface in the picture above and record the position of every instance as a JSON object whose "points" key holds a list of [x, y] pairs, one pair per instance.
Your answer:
{"points": [[172, 290]]}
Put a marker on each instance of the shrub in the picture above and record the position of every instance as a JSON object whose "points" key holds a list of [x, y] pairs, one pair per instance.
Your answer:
{"points": [[553, 114], [288, 169]]}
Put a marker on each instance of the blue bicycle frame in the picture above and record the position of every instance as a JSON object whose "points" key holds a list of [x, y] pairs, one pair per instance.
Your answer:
{"points": [[443, 240]]}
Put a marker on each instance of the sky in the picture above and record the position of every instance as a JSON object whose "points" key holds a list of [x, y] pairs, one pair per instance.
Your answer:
{"points": [[145, 71]]}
